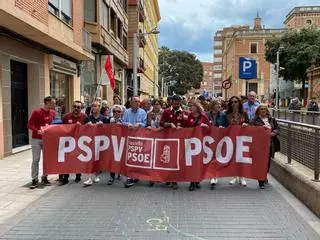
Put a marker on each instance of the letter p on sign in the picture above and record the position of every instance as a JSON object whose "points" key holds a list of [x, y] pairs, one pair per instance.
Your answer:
{"points": [[246, 65]]}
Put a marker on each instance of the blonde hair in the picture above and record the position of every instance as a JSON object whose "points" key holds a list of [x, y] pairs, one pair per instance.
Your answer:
{"points": [[197, 104]]}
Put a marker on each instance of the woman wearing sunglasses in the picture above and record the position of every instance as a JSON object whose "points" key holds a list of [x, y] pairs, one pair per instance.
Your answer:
{"points": [[236, 116], [115, 119]]}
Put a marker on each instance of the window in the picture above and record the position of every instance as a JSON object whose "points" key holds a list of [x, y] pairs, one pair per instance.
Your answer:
{"points": [[90, 14], [218, 44], [104, 17], [59, 88], [125, 40], [62, 9], [217, 67], [217, 75], [87, 81], [210, 73], [218, 51], [113, 22], [253, 47], [217, 59], [119, 31]]}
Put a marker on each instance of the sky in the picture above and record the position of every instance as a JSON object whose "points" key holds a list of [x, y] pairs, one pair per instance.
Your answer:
{"points": [[189, 25]]}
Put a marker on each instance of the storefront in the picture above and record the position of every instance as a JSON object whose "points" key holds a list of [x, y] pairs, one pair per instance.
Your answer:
{"points": [[63, 75]]}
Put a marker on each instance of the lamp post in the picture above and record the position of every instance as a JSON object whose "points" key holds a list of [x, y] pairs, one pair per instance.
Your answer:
{"points": [[135, 37], [278, 80]]}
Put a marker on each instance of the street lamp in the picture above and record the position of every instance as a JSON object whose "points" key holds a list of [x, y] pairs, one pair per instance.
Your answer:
{"points": [[278, 67], [135, 36]]}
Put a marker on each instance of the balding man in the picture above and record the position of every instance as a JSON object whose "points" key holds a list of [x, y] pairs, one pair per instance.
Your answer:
{"points": [[134, 117], [251, 105]]}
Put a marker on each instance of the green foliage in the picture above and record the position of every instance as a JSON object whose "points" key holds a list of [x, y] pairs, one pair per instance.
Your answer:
{"points": [[301, 51], [180, 67]]}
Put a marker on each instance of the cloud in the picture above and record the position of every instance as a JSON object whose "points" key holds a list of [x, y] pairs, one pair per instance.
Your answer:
{"points": [[189, 25]]}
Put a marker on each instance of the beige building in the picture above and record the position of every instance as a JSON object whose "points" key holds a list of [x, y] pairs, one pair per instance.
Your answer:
{"points": [[144, 17], [107, 22], [241, 41], [41, 46]]}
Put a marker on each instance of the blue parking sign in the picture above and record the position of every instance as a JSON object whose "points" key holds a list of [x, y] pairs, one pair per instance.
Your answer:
{"points": [[247, 68]]}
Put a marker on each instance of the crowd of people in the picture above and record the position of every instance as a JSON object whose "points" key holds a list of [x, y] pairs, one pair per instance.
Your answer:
{"points": [[176, 112]]}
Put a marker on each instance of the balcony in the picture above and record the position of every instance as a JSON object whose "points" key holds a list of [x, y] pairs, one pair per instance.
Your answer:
{"points": [[142, 39], [142, 15], [86, 40], [141, 67]]}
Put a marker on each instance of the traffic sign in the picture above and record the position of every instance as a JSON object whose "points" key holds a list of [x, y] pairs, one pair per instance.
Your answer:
{"points": [[247, 68], [226, 84]]}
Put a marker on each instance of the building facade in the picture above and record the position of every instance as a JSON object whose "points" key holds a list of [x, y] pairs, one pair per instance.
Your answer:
{"points": [[107, 22], [217, 61], [41, 48], [144, 17], [241, 41], [207, 86], [300, 17]]}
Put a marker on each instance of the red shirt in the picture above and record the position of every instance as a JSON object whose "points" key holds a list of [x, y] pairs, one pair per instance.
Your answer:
{"points": [[40, 118], [177, 117], [69, 118], [193, 122]]}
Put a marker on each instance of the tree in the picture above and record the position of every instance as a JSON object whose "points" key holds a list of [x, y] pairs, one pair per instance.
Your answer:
{"points": [[301, 50], [182, 69]]}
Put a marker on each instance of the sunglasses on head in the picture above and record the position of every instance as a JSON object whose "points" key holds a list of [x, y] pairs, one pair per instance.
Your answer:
{"points": [[77, 107]]}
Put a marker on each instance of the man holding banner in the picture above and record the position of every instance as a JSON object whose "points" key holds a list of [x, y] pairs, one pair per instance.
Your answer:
{"points": [[134, 117]]}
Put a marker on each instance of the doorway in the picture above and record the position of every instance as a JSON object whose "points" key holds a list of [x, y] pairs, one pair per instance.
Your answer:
{"points": [[19, 103]]}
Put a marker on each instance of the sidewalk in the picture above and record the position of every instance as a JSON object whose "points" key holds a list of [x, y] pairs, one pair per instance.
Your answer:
{"points": [[15, 177]]}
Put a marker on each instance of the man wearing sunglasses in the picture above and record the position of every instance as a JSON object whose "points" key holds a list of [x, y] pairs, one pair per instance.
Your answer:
{"points": [[74, 117]]}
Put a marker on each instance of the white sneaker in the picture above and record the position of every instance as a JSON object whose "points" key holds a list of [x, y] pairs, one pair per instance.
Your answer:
{"points": [[214, 181], [243, 182], [88, 182], [96, 179], [233, 181]]}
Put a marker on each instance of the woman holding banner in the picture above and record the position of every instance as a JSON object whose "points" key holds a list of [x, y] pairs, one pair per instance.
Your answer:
{"points": [[217, 119], [237, 116], [196, 117], [94, 118], [263, 118]]}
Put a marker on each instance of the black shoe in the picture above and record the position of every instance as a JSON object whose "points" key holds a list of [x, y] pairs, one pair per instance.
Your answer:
{"points": [[261, 186], [119, 176], [64, 182], [212, 186], [129, 183], [45, 181], [111, 181], [266, 182], [192, 187], [78, 179], [151, 184], [168, 183], [197, 185], [34, 184], [174, 186]]}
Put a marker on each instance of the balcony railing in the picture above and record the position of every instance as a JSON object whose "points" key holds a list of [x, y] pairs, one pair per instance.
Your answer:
{"points": [[141, 67], [86, 41], [142, 15]]}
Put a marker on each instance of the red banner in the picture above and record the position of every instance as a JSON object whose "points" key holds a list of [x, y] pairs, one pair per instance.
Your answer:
{"points": [[173, 155]]}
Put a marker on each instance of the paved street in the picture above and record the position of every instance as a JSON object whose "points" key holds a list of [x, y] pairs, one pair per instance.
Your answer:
{"points": [[141, 212]]}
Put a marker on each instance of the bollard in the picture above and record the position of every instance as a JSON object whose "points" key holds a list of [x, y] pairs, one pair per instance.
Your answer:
{"points": [[289, 144], [316, 155]]}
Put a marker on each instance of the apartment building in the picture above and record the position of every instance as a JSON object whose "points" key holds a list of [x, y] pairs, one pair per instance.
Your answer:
{"points": [[42, 44], [107, 23], [207, 86], [217, 61], [144, 17], [241, 41]]}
